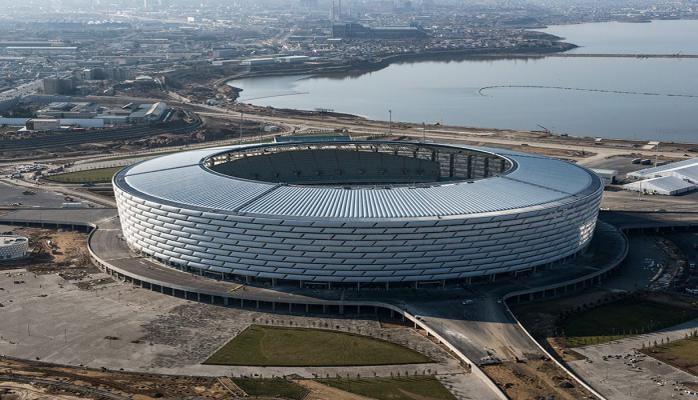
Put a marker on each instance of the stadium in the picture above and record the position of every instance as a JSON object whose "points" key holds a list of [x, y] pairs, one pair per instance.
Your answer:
{"points": [[343, 213]]}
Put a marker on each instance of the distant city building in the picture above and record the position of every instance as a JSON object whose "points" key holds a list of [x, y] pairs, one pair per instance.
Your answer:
{"points": [[68, 110], [87, 115], [258, 61], [227, 52], [57, 86], [147, 112], [38, 124], [41, 50], [353, 30]]}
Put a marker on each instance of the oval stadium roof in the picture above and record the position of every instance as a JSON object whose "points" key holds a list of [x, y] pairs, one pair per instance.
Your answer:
{"points": [[182, 180]]}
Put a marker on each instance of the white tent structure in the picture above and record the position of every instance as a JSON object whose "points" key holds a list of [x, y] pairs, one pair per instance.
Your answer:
{"points": [[670, 179], [666, 185]]}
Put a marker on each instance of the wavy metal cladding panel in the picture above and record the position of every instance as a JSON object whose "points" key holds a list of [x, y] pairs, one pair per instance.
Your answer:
{"points": [[480, 263]]}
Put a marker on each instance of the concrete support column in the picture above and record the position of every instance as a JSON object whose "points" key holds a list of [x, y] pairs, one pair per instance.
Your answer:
{"points": [[257, 304], [307, 308], [198, 297], [226, 301], [273, 306]]}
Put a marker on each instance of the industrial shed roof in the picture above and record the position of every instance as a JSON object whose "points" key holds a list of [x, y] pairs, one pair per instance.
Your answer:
{"points": [[665, 169], [666, 185]]}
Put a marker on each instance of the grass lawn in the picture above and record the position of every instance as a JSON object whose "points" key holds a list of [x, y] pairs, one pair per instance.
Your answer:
{"points": [[682, 354], [280, 346], [408, 388], [623, 318], [275, 387], [99, 175]]}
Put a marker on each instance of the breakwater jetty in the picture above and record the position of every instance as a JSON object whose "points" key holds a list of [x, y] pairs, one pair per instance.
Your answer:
{"points": [[482, 91]]}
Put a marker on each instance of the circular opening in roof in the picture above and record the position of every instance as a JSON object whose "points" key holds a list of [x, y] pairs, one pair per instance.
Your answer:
{"points": [[357, 163]]}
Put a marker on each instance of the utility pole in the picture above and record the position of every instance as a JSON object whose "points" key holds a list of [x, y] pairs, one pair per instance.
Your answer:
{"points": [[390, 122], [241, 120]]}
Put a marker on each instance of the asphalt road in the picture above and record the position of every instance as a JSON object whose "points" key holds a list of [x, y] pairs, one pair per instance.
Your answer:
{"points": [[10, 195]]}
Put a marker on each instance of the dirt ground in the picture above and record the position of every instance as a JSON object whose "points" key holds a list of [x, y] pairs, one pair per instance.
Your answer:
{"points": [[50, 250], [535, 379], [62, 382], [318, 391], [23, 391]]}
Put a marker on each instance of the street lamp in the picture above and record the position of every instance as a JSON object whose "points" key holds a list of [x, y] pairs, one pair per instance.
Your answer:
{"points": [[390, 122], [241, 119]]}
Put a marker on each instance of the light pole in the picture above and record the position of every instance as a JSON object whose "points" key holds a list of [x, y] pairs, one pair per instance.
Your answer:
{"points": [[424, 132], [241, 119], [390, 122]]}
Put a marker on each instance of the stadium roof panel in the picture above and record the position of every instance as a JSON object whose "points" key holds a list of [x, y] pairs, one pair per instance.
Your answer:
{"points": [[181, 179]]}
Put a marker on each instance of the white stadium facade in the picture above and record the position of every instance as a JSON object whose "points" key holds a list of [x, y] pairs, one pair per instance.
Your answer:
{"points": [[356, 213], [13, 247]]}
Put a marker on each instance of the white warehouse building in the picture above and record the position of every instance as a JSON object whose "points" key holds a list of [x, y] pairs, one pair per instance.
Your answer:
{"points": [[356, 212], [670, 179]]}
